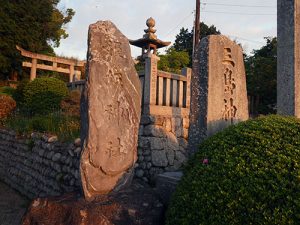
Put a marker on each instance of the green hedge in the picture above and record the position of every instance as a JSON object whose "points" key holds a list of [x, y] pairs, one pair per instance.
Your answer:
{"points": [[247, 174], [43, 95]]}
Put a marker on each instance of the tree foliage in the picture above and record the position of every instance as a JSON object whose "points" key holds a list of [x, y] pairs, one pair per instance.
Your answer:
{"points": [[173, 61], [179, 55], [184, 40], [261, 70], [34, 25]]}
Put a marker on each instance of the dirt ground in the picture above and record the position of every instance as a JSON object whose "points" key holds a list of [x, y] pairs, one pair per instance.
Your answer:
{"points": [[12, 206]]}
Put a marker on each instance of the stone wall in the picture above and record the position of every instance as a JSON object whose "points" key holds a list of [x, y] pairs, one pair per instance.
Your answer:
{"points": [[39, 166], [162, 145]]}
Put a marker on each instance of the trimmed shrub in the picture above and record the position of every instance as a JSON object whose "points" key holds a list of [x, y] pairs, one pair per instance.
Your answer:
{"points": [[71, 104], [7, 106], [247, 174], [19, 92], [43, 95]]}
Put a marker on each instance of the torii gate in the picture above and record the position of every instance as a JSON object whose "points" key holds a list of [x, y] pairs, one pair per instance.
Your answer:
{"points": [[34, 65]]}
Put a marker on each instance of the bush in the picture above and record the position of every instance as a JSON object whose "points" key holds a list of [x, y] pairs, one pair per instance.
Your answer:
{"points": [[7, 105], [43, 95], [6, 90], [247, 174], [19, 92], [71, 104]]}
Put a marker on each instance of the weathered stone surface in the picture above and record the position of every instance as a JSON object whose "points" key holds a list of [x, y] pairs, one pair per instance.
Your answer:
{"points": [[138, 205], [154, 131], [219, 94], [159, 158], [110, 111], [288, 58]]}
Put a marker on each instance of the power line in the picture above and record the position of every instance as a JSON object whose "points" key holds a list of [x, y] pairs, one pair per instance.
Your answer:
{"points": [[184, 19], [250, 6], [247, 14], [245, 39]]}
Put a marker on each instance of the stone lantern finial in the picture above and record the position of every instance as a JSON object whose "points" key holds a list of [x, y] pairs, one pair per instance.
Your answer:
{"points": [[150, 32], [149, 42]]}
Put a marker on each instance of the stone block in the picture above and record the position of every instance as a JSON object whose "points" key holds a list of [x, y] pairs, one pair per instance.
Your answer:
{"points": [[154, 131], [185, 123], [156, 143], [141, 130], [171, 142], [146, 120], [168, 124], [170, 156], [159, 158]]}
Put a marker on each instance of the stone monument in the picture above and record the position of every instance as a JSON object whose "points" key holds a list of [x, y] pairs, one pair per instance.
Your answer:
{"points": [[110, 112], [218, 92], [288, 57]]}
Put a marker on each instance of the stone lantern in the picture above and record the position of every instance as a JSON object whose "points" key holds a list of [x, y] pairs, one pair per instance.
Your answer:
{"points": [[149, 42]]}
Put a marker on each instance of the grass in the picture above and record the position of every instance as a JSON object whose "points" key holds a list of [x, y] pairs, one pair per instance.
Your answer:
{"points": [[66, 128]]}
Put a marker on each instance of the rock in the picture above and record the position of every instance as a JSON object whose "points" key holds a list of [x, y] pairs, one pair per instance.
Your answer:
{"points": [[170, 156], [180, 157], [77, 142], [139, 173], [168, 124], [56, 157], [41, 152], [141, 130], [138, 205], [156, 143], [146, 120], [172, 142], [185, 123], [109, 124], [154, 131], [52, 139], [219, 95], [50, 155], [71, 153], [77, 150], [159, 158]]}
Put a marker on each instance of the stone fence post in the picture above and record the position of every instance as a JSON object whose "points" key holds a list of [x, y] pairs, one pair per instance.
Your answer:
{"points": [[150, 82]]}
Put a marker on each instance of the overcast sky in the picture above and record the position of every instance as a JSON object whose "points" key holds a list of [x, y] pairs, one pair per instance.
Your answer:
{"points": [[248, 22]]}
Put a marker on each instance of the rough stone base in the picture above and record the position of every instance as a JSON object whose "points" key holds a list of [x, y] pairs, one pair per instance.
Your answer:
{"points": [[138, 205], [166, 184], [39, 166], [162, 145]]}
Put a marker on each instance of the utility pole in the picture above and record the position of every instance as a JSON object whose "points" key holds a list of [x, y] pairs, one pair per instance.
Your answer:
{"points": [[197, 26]]}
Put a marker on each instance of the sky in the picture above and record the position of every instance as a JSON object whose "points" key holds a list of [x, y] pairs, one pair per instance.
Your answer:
{"points": [[247, 22]]}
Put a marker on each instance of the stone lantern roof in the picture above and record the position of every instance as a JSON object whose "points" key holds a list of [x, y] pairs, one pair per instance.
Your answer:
{"points": [[149, 41]]}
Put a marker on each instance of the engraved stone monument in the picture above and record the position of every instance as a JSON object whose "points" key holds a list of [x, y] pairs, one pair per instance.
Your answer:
{"points": [[218, 93], [110, 111], [288, 58]]}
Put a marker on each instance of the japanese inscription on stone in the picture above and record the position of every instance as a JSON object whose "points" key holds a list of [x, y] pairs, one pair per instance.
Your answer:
{"points": [[110, 111], [230, 110]]}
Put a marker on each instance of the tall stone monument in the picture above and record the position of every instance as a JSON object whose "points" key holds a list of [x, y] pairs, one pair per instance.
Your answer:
{"points": [[218, 92], [288, 57], [110, 111]]}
